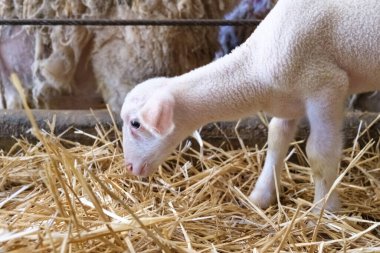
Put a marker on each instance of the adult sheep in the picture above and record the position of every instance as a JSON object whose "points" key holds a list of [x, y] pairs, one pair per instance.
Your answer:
{"points": [[125, 56], [60, 64], [51, 61]]}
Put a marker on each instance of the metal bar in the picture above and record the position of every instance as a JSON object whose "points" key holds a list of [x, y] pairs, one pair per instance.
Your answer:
{"points": [[135, 22]]}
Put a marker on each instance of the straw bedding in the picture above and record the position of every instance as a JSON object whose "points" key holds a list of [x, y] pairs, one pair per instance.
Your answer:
{"points": [[59, 196]]}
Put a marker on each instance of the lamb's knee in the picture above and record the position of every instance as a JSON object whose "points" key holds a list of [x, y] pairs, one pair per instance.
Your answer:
{"points": [[324, 149], [281, 132], [282, 127], [323, 161]]}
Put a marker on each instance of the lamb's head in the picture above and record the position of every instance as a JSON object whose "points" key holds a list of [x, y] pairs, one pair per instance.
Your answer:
{"points": [[149, 130]]}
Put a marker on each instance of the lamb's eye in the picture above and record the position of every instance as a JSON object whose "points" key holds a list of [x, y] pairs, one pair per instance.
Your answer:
{"points": [[135, 124]]}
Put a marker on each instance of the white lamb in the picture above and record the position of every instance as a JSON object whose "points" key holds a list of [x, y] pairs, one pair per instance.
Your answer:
{"points": [[305, 58]]}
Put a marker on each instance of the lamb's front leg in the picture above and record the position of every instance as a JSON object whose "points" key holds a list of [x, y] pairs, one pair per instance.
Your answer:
{"points": [[280, 133], [324, 148]]}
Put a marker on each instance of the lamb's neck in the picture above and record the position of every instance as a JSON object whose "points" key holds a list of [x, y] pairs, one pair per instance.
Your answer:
{"points": [[226, 89]]}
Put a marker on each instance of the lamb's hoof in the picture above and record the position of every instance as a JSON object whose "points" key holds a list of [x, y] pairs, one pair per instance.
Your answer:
{"points": [[333, 205], [262, 198]]}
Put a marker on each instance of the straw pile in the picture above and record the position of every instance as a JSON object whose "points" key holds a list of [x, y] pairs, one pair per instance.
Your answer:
{"points": [[58, 196]]}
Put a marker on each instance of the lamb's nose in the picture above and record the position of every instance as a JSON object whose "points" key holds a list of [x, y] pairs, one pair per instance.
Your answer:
{"points": [[129, 167]]}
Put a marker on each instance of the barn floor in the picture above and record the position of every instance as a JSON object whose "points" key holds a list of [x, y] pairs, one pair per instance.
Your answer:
{"points": [[57, 196]]}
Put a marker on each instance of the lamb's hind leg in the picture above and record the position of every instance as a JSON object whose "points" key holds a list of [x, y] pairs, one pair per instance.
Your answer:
{"points": [[281, 132], [324, 146]]}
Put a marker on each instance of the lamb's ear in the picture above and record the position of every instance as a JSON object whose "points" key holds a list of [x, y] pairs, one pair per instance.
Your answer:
{"points": [[157, 114]]}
